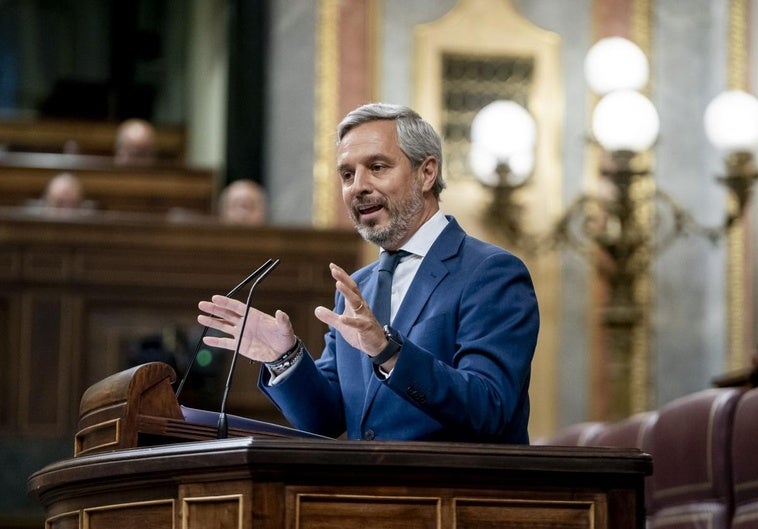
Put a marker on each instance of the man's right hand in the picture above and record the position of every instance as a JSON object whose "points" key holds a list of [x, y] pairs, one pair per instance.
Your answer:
{"points": [[265, 337]]}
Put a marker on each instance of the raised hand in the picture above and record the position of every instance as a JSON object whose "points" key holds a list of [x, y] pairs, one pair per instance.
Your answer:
{"points": [[265, 338], [357, 324]]}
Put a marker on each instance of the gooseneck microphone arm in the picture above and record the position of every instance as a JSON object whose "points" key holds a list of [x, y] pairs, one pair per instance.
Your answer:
{"points": [[233, 291], [223, 426]]}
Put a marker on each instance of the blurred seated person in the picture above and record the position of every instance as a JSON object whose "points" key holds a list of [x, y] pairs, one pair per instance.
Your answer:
{"points": [[63, 196], [71, 147], [64, 191], [135, 143], [243, 202]]}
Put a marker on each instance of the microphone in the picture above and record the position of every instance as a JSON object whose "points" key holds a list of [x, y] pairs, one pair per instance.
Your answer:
{"points": [[222, 429], [233, 291]]}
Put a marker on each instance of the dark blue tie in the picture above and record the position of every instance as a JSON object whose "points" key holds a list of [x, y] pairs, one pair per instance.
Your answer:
{"points": [[387, 263]]}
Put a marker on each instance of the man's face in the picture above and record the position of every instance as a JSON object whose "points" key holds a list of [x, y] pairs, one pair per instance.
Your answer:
{"points": [[383, 194]]}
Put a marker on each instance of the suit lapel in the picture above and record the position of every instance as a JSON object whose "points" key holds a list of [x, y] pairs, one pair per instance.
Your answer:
{"points": [[432, 271], [429, 275]]}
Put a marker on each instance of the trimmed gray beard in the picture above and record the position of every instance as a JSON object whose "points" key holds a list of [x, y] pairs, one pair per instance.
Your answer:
{"points": [[399, 224]]}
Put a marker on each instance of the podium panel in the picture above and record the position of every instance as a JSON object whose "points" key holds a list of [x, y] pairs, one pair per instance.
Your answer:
{"points": [[432, 509], [314, 484]]}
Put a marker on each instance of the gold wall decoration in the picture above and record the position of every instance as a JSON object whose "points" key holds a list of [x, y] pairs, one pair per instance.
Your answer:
{"points": [[621, 351], [641, 382], [469, 82], [481, 51], [327, 102], [738, 304]]}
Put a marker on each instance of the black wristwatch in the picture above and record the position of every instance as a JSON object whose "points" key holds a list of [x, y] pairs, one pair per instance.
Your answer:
{"points": [[394, 343]]}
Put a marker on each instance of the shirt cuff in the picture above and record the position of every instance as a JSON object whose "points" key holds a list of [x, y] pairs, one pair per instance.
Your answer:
{"points": [[281, 377]]}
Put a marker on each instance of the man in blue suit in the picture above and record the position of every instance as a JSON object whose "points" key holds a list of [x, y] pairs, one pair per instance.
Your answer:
{"points": [[454, 363]]}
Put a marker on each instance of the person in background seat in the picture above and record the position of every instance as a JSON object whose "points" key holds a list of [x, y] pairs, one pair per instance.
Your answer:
{"points": [[135, 143], [64, 191], [63, 196], [243, 202]]}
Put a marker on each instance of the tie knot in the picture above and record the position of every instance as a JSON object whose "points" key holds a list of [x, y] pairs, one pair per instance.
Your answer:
{"points": [[388, 260]]}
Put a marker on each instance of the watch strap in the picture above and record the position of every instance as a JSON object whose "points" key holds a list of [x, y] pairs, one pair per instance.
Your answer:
{"points": [[394, 343]]}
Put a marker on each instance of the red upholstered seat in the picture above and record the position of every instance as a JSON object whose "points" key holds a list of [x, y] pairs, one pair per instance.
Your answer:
{"points": [[577, 434], [692, 478], [633, 432], [745, 461]]}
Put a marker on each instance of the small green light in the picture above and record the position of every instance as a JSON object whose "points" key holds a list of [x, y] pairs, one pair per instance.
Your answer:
{"points": [[204, 358]]}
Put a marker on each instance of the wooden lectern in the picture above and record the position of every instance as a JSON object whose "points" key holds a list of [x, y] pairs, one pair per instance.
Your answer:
{"points": [[137, 407], [274, 477]]}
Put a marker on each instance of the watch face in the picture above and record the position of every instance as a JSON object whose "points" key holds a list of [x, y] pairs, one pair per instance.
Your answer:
{"points": [[391, 334], [394, 343]]}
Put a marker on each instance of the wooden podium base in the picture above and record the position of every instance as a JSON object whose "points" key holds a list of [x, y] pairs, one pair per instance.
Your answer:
{"points": [[311, 484], [271, 477]]}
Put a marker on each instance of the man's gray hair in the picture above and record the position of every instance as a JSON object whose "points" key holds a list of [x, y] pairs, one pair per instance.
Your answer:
{"points": [[415, 137]]}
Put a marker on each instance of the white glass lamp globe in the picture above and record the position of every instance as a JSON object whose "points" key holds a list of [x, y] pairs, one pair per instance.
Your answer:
{"points": [[502, 132], [625, 120], [503, 128], [731, 122], [615, 63], [484, 165], [522, 165]]}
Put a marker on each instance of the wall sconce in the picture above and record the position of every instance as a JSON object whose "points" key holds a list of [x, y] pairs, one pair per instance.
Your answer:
{"points": [[625, 124], [503, 141], [622, 225], [731, 124]]}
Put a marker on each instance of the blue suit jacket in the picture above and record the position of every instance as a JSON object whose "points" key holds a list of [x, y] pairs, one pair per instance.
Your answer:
{"points": [[469, 323]]}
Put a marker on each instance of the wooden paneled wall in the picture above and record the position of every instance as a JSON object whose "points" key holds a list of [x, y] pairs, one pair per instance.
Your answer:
{"points": [[91, 137], [156, 188], [77, 295]]}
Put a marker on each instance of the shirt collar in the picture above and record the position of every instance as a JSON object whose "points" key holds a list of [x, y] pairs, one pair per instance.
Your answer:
{"points": [[422, 240]]}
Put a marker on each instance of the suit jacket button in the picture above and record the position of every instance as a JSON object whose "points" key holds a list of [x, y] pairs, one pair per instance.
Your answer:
{"points": [[369, 435]]}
